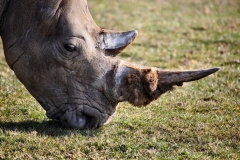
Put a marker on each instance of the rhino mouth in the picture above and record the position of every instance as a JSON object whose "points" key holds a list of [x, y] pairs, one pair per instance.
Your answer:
{"points": [[79, 116], [85, 108]]}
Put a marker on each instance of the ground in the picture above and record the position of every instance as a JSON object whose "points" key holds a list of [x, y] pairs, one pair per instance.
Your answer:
{"points": [[200, 120]]}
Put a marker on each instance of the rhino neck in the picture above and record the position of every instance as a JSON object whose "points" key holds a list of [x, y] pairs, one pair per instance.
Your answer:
{"points": [[3, 9]]}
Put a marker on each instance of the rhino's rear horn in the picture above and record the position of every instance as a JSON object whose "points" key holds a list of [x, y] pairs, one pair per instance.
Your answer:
{"points": [[178, 77], [114, 42]]}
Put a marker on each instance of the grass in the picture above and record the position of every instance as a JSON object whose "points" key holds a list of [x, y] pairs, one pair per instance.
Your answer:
{"points": [[200, 120]]}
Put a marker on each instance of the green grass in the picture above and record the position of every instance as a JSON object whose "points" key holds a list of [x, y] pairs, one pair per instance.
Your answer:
{"points": [[200, 120]]}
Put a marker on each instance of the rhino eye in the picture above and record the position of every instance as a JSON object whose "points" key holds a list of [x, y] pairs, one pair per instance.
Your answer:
{"points": [[70, 47]]}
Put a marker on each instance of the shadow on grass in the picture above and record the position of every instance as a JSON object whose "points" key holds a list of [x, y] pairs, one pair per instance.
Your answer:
{"points": [[50, 128]]}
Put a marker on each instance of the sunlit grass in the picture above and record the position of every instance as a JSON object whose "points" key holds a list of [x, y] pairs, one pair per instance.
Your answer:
{"points": [[200, 120]]}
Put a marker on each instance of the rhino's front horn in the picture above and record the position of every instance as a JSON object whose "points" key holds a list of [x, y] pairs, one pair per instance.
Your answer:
{"points": [[178, 77], [141, 85], [114, 42]]}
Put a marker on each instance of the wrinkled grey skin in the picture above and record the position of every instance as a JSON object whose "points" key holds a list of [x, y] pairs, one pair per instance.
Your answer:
{"points": [[67, 62]]}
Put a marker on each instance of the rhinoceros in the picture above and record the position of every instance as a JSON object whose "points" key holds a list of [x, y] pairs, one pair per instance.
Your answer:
{"points": [[69, 64]]}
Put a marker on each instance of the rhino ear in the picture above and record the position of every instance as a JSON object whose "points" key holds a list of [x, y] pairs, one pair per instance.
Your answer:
{"points": [[114, 42]]}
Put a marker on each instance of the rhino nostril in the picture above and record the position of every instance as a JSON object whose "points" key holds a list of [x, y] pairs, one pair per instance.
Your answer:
{"points": [[70, 47]]}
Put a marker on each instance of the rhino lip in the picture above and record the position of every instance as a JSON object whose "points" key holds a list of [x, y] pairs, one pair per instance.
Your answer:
{"points": [[80, 105], [85, 107], [80, 116]]}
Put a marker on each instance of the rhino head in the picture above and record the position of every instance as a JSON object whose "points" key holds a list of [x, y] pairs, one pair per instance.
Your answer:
{"points": [[68, 63]]}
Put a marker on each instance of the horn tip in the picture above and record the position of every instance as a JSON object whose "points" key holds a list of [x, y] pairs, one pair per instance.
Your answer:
{"points": [[213, 70], [134, 32]]}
